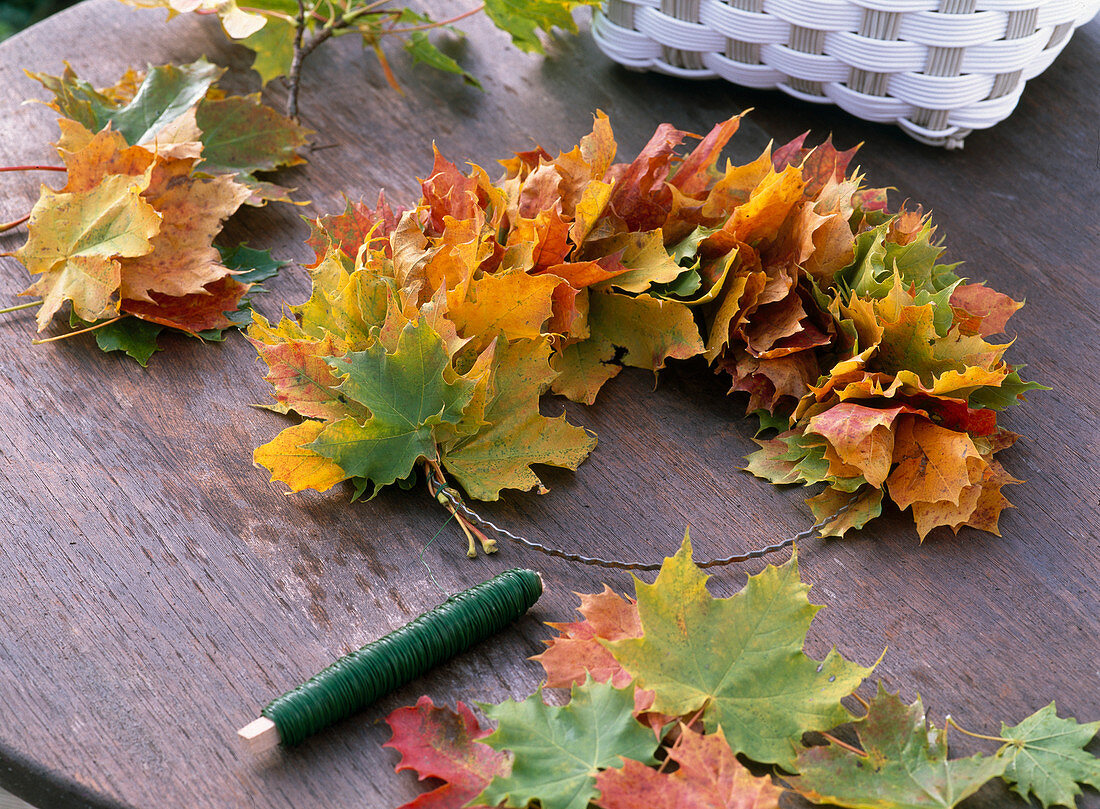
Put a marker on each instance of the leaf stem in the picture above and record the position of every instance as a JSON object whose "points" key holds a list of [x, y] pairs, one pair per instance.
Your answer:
{"points": [[69, 334], [435, 473], [434, 25], [19, 307], [834, 740], [6, 226], [33, 168], [950, 721]]}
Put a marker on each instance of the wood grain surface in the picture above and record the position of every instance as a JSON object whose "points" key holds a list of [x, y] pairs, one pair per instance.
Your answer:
{"points": [[156, 590]]}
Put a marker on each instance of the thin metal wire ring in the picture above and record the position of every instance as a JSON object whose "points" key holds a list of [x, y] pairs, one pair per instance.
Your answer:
{"points": [[456, 500]]}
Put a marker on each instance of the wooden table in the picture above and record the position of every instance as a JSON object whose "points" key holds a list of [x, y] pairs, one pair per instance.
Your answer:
{"points": [[155, 590]]}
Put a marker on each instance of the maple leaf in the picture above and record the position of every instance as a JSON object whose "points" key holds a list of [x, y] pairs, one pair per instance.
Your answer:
{"points": [[819, 164], [769, 463], [557, 752], [436, 742], [861, 436], [792, 457], [348, 231], [183, 260], [982, 310], [516, 435], [1046, 757], [290, 460], [240, 135], [709, 777], [513, 304], [522, 20], [696, 173], [90, 158], [75, 242], [904, 766], [863, 506], [737, 659], [203, 314], [303, 379], [407, 395], [649, 331], [165, 94], [933, 463], [577, 653], [1010, 391], [641, 257], [640, 196], [773, 382]]}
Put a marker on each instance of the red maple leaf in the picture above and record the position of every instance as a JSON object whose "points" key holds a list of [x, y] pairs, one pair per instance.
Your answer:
{"points": [[436, 742]]}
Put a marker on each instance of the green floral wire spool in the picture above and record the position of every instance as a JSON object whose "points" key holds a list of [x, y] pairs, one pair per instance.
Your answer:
{"points": [[358, 679]]}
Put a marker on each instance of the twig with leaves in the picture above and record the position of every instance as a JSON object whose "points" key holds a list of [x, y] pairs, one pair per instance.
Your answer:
{"points": [[283, 36]]}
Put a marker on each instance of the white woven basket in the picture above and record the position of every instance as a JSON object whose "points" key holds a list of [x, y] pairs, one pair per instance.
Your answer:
{"points": [[938, 68]]}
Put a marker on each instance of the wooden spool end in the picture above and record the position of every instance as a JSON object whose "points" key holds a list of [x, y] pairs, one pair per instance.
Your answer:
{"points": [[260, 735]]}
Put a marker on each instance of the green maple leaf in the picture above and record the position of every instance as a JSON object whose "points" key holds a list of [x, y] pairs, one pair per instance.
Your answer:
{"points": [[905, 764], [252, 266], [876, 260], [523, 18], [739, 659], [1011, 391], [132, 335], [423, 51], [274, 48], [500, 455], [241, 136], [1046, 757], [407, 395], [165, 94], [558, 751]]}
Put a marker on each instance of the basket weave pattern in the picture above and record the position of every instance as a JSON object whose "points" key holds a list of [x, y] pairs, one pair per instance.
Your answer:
{"points": [[938, 68]]}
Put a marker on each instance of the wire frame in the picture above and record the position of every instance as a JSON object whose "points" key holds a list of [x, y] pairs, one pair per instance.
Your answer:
{"points": [[939, 69]]}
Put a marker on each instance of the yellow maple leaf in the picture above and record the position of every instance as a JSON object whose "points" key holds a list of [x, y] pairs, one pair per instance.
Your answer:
{"points": [[76, 239]]}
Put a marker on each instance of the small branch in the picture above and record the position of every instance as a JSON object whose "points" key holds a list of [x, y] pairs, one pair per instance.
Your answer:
{"points": [[69, 334], [304, 46], [14, 224], [294, 76], [302, 49], [33, 168], [20, 307], [950, 721]]}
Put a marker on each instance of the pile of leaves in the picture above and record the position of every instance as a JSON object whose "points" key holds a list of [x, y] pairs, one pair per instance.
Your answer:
{"points": [[154, 166], [432, 332], [669, 690]]}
